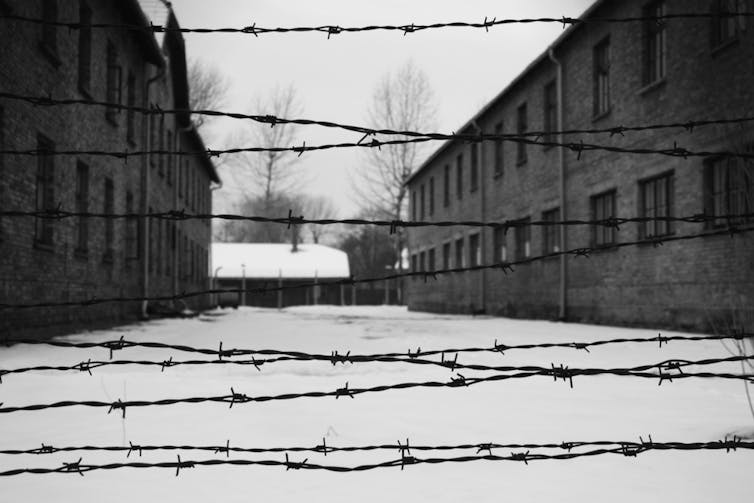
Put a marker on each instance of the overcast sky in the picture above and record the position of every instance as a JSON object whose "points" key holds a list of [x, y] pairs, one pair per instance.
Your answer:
{"points": [[335, 78]]}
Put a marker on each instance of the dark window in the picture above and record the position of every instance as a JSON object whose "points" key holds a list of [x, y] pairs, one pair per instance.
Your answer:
{"points": [[421, 201], [414, 263], [161, 147], [654, 42], [475, 251], [601, 78], [114, 89], [551, 232], [431, 196], [45, 190], [656, 201], [551, 111], [474, 170], [131, 113], [431, 260], [422, 261], [729, 190], [498, 146], [603, 208], [499, 249], [414, 207], [446, 256], [82, 206], [459, 176], [85, 48], [459, 253], [109, 209], [446, 187], [523, 239], [726, 27], [170, 157], [132, 231], [49, 29], [521, 126]]}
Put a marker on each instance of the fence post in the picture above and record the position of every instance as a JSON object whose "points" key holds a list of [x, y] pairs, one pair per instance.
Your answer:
{"points": [[280, 291]]}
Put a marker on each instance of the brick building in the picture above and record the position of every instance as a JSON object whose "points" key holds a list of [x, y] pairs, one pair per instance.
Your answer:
{"points": [[602, 75], [81, 258]]}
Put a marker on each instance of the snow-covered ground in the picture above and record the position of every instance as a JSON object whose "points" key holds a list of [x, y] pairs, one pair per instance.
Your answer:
{"points": [[527, 410]]}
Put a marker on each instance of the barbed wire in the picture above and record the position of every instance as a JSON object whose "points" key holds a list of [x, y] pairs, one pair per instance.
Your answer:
{"points": [[273, 120], [505, 267], [561, 372], [331, 30]]}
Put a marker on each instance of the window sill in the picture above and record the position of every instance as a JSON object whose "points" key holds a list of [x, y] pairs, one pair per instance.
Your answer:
{"points": [[51, 54], [657, 84], [602, 115], [520, 162], [498, 176], [111, 118], [84, 91], [43, 246], [82, 255], [722, 46]]}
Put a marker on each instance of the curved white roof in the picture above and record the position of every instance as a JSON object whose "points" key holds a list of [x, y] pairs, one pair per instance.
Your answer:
{"points": [[270, 260]]}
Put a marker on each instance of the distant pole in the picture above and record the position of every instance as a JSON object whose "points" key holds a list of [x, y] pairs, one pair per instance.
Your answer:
{"points": [[316, 287], [280, 289], [342, 295], [243, 284]]}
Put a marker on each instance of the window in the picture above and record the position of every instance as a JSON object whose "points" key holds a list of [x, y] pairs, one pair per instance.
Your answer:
{"points": [[85, 48], [109, 209], [82, 206], [130, 113], [521, 126], [431, 196], [446, 256], [601, 78], [421, 201], [655, 201], [446, 187], [50, 30], [729, 189], [474, 174], [422, 261], [475, 251], [132, 232], [551, 233], [551, 111], [498, 146], [459, 253], [523, 239], [603, 208], [654, 42], [114, 90], [726, 28], [170, 158], [499, 249], [414, 210], [45, 191], [161, 147], [431, 260], [459, 176], [414, 263]]}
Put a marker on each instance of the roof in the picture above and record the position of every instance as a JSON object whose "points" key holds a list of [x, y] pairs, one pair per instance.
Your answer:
{"points": [[494, 101], [271, 260], [135, 15]]}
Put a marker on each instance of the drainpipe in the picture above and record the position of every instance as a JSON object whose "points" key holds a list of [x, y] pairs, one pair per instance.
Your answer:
{"points": [[562, 313], [145, 198], [482, 213]]}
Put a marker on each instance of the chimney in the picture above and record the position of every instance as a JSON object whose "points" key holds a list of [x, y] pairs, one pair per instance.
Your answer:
{"points": [[294, 238]]}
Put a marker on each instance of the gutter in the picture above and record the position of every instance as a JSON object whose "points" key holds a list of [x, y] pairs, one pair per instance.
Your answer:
{"points": [[562, 290]]}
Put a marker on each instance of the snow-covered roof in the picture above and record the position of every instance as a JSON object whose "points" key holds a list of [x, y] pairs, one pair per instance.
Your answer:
{"points": [[269, 260]]}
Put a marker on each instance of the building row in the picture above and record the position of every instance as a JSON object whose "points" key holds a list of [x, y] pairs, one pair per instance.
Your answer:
{"points": [[603, 75], [75, 259]]}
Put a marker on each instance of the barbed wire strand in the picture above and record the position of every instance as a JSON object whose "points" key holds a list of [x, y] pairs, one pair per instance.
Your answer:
{"points": [[504, 267]]}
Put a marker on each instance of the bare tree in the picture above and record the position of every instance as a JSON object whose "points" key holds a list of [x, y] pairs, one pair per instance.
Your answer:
{"points": [[403, 100], [207, 90]]}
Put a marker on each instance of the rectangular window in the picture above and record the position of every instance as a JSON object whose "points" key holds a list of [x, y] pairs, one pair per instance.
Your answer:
{"points": [[655, 201], [521, 127], [131, 113], [551, 231], [603, 208], [49, 29], [551, 111], [414, 263], [724, 26], [82, 206], [431, 260], [459, 176], [114, 90], [459, 253], [523, 239], [431, 196], [421, 201], [474, 171], [475, 250], [446, 187], [601, 78], [729, 190], [45, 190], [446, 256], [85, 48], [422, 261], [498, 146], [499, 248], [109, 209], [654, 42], [132, 231]]}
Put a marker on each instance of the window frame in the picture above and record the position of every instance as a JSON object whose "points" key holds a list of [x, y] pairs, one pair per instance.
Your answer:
{"points": [[85, 49], [82, 206], [601, 102], [475, 249], [459, 176], [734, 197], [522, 234], [499, 152], [654, 53], [522, 124], [658, 228], [113, 83], [551, 232], [603, 235], [474, 168], [550, 110]]}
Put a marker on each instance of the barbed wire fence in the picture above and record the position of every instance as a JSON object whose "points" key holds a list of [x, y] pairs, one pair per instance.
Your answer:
{"points": [[664, 371]]}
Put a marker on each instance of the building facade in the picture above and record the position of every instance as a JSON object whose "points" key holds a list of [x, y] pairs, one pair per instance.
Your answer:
{"points": [[80, 258], [599, 75]]}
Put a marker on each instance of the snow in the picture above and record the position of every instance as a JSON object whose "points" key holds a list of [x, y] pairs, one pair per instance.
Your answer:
{"points": [[270, 260], [527, 410]]}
